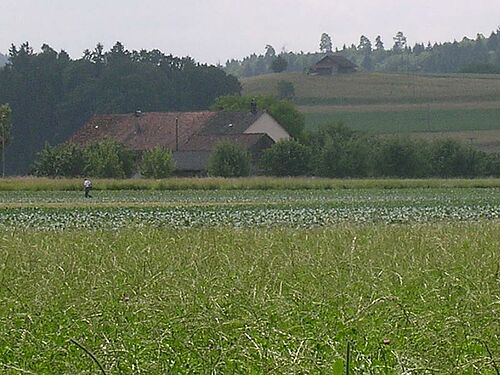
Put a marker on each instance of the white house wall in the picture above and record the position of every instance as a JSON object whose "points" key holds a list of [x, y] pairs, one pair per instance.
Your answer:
{"points": [[266, 124]]}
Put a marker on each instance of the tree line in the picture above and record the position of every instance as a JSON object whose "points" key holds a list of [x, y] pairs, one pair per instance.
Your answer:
{"points": [[479, 55], [51, 95]]}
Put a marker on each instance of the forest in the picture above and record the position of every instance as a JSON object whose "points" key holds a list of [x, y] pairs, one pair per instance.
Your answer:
{"points": [[479, 55], [52, 95]]}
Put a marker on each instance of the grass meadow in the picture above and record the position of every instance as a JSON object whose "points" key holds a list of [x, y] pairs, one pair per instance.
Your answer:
{"points": [[406, 299], [373, 280]]}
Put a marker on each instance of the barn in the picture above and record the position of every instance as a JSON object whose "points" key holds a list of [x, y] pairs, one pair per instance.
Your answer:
{"points": [[191, 136], [333, 64]]}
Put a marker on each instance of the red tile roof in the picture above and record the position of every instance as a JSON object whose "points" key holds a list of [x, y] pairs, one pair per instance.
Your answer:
{"points": [[144, 131]]}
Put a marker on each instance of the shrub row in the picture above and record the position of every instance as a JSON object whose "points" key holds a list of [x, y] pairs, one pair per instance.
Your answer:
{"points": [[336, 151], [105, 159]]}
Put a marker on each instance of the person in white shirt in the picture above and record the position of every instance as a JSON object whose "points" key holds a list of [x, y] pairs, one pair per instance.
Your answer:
{"points": [[87, 185]]}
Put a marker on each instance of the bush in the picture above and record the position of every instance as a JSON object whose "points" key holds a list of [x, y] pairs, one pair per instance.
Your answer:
{"points": [[229, 160], [340, 152], [491, 165], [157, 163], [286, 90], [287, 158], [65, 160], [347, 158], [108, 159], [402, 158], [450, 158]]}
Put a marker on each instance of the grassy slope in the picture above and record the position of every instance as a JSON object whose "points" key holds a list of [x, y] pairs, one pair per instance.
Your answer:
{"points": [[394, 103]]}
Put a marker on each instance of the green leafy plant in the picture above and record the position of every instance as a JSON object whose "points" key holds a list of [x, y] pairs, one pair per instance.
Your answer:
{"points": [[108, 159], [65, 160], [157, 163], [287, 158], [229, 160]]}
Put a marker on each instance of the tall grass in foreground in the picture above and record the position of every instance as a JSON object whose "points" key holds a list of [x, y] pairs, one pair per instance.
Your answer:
{"points": [[250, 183], [410, 299]]}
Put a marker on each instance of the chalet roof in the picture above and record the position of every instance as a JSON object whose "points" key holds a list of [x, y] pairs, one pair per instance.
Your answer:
{"points": [[227, 123], [335, 60], [144, 131]]}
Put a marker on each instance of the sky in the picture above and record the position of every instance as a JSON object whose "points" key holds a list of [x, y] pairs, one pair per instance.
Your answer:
{"points": [[212, 31]]}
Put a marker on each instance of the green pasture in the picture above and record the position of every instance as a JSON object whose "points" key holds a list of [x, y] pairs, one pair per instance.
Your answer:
{"points": [[408, 121]]}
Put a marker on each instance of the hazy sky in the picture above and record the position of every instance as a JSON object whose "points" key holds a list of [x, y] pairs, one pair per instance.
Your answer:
{"points": [[215, 30]]}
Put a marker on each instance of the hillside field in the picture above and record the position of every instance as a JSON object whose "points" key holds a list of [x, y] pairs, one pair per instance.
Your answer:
{"points": [[462, 106]]}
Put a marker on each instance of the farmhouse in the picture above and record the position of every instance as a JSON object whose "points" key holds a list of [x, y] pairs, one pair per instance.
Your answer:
{"points": [[191, 136], [333, 64]]}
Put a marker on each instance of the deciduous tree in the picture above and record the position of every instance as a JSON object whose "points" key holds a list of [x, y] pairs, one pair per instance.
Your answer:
{"points": [[325, 44], [229, 160], [157, 163]]}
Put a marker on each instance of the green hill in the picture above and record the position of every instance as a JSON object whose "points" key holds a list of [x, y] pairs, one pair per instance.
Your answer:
{"points": [[464, 107]]}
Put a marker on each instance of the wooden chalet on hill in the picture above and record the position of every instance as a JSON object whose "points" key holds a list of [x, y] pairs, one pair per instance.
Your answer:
{"points": [[333, 64], [191, 136]]}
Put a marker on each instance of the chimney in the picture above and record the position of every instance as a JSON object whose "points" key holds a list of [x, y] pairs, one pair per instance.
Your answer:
{"points": [[137, 114], [253, 106]]}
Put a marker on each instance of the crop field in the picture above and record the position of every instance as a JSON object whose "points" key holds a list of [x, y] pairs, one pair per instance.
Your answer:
{"points": [[373, 88], [407, 121], [396, 103], [334, 281]]}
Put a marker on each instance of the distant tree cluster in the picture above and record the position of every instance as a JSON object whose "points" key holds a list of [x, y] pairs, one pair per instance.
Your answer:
{"points": [[478, 55], [51, 95]]}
